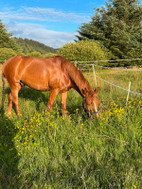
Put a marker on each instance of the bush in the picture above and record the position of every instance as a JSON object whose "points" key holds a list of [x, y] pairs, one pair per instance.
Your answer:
{"points": [[6, 53], [48, 55], [83, 51], [35, 54]]}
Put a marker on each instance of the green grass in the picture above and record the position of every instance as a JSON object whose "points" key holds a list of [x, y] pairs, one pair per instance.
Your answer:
{"points": [[46, 150]]}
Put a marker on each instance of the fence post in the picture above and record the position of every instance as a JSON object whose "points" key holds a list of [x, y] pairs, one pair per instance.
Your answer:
{"points": [[75, 63], [94, 75], [128, 93]]}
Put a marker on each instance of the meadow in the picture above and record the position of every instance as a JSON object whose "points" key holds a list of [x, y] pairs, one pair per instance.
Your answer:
{"points": [[43, 150]]}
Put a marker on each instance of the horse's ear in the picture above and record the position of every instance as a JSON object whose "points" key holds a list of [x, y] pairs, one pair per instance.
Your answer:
{"points": [[96, 90]]}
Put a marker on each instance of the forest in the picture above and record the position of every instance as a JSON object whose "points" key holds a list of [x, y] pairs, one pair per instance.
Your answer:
{"points": [[28, 46]]}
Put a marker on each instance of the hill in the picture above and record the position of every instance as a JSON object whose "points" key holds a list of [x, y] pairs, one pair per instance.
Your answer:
{"points": [[28, 45]]}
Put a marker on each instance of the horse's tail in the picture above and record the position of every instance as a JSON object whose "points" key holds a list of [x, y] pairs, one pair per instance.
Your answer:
{"points": [[3, 87]]}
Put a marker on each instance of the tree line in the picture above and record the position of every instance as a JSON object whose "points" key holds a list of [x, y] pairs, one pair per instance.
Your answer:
{"points": [[29, 46]]}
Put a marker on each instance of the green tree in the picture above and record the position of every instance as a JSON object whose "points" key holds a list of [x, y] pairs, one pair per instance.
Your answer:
{"points": [[48, 55], [6, 53], [86, 50], [5, 39], [118, 26], [29, 46], [35, 54]]}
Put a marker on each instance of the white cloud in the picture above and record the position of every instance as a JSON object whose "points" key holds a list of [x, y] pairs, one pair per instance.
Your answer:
{"points": [[39, 33], [43, 14], [21, 23], [54, 15]]}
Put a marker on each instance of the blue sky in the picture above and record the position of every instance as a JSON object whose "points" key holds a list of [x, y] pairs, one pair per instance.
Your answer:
{"points": [[52, 22]]}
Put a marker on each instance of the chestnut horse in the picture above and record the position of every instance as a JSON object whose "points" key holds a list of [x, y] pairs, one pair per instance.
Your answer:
{"points": [[54, 74]]}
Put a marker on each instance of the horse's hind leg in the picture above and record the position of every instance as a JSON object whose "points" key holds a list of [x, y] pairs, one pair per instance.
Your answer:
{"points": [[13, 97], [10, 104]]}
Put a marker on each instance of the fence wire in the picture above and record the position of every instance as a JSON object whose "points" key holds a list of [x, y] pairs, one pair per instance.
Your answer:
{"points": [[114, 68], [119, 86]]}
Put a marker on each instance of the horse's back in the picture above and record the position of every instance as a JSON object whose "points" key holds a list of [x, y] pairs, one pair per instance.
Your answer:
{"points": [[20, 64], [37, 73]]}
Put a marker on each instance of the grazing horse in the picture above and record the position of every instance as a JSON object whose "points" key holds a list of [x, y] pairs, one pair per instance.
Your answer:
{"points": [[54, 74]]}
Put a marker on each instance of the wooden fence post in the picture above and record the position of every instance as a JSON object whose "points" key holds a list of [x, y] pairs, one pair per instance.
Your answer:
{"points": [[94, 75], [128, 93]]}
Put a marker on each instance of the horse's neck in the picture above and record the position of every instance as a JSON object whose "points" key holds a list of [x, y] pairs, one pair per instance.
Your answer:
{"points": [[81, 84]]}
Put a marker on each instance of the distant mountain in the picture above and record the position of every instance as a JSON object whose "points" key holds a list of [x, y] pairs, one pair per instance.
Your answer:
{"points": [[28, 45]]}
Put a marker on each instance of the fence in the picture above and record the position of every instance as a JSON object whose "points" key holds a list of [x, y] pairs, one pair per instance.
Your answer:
{"points": [[90, 65], [113, 63], [94, 64], [2, 61]]}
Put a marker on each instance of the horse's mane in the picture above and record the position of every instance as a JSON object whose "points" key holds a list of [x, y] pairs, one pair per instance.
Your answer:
{"points": [[77, 77]]}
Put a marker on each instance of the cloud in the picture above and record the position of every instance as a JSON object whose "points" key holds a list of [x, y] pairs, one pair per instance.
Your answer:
{"points": [[43, 14], [21, 23], [39, 33]]}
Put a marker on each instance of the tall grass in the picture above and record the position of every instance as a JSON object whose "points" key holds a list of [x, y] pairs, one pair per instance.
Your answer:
{"points": [[46, 150]]}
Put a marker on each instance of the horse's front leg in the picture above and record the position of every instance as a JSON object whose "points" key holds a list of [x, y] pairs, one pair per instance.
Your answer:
{"points": [[52, 96], [63, 101]]}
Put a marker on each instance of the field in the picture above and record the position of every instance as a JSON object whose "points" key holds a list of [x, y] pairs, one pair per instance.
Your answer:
{"points": [[43, 150]]}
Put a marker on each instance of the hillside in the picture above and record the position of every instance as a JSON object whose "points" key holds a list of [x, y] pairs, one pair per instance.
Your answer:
{"points": [[28, 46]]}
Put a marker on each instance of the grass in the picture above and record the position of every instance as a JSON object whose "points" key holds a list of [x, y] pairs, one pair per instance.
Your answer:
{"points": [[46, 150]]}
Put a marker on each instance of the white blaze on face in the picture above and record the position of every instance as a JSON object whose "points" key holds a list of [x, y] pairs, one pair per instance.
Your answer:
{"points": [[95, 107]]}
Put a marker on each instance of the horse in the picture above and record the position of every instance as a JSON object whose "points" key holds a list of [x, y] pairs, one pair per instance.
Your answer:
{"points": [[56, 75]]}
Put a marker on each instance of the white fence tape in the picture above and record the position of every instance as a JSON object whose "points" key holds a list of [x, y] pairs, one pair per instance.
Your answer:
{"points": [[92, 66], [113, 68], [119, 86], [89, 63], [113, 61]]}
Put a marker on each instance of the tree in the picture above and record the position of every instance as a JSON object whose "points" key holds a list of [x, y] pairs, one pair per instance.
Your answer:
{"points": [[35, 54], [6, 53], [48, 55], [28, 46], [83, 51], [5, 39], [118, 26]]}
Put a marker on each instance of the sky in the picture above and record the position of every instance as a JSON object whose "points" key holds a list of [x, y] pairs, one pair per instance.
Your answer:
{"points": [[52, 22]]}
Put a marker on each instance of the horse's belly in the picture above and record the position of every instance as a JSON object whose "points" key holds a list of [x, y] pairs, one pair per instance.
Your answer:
{"points": [[49, 78], [38, 87], [36, 83]]}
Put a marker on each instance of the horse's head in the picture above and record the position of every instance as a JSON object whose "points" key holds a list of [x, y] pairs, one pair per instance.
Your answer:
{"points": [[90, 103]]}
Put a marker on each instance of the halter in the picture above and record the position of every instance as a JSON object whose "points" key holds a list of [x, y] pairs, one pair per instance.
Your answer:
{"points": [[95, 112]]}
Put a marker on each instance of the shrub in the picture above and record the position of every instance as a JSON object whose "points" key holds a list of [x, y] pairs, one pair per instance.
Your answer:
{"points": [[6, 53], [48, 55], [35, 54], [83, 51]]}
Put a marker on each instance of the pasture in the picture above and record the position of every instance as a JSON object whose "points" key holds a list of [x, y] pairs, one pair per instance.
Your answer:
{"points": [[46, 150]]}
